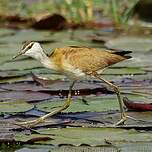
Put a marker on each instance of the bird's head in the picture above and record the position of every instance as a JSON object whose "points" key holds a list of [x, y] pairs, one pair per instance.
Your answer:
{"points": [[32, 49]]}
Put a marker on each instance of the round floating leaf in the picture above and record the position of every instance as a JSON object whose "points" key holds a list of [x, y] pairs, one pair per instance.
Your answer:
{"points": [[4, 59], [95, 136], [138, 61], [9, 49], [6, 32], [11, 74], [124, 71], [24, 35], [15, 106], [96, 104], [20, 65], [16, 79], [130, 43]]}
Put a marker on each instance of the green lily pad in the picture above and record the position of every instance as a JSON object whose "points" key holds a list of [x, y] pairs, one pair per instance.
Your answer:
{"points": [[89, 136], [4, 59], [138, 60], [131, 43], [24, 35], [16, 79], [15, 106], [20, 65], [97, 104], [6, 32], [128, 147], [12, 74], [124, 71], [66, 148], [9, 49]]}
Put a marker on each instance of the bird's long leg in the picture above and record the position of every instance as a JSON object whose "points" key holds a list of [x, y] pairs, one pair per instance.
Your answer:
{"points": [[42, 119], [124, 116]]}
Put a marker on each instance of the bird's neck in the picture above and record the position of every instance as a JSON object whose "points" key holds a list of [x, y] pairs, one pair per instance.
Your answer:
{"points": [[44, 59]]}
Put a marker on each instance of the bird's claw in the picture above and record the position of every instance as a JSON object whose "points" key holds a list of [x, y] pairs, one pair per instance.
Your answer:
{"points": [[121, 121], [124, 119]]}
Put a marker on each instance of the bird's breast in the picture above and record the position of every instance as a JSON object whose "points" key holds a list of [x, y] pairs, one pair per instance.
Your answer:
{"points": [[72, 72]]}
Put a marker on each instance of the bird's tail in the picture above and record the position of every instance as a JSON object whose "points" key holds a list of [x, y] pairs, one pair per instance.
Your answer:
{"points": [[123, 53]]}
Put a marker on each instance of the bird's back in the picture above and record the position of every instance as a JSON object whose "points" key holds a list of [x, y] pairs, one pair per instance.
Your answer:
{"points": [[86, 59]]}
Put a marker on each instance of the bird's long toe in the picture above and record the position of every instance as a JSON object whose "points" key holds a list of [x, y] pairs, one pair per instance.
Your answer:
{"points": [[125, 118], [31, 123], [121, 121]]}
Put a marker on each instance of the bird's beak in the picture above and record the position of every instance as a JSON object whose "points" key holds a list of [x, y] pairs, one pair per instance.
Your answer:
{"points": [[19, 54]]}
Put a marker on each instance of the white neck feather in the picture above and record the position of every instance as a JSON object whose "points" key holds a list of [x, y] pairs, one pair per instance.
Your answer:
{"points": [[37, 53], [45, 60]]}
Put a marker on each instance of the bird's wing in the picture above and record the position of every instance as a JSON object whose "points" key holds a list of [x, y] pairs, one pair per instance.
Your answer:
{"points": [[90, 59]]}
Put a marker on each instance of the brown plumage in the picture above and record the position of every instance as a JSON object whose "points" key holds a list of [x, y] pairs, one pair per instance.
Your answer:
{"points": [[86, 59]]}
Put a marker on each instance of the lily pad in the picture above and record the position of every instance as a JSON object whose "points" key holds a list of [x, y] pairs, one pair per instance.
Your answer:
{"points": [[67, 148], [138, 60], [15, 106], [130, 43], [24, 35], [9, 49], [124, 71], [4, 59], [94, 103], [97, 104], [15, 79], [6, 32], [11, 74], [90, 136], [20, 65]]}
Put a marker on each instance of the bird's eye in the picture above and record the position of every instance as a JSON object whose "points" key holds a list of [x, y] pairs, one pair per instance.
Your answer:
{"points": [[30, 47]]}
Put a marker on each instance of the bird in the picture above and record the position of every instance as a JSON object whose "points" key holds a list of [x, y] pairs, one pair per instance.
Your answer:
{"points": [[76, 63]]}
